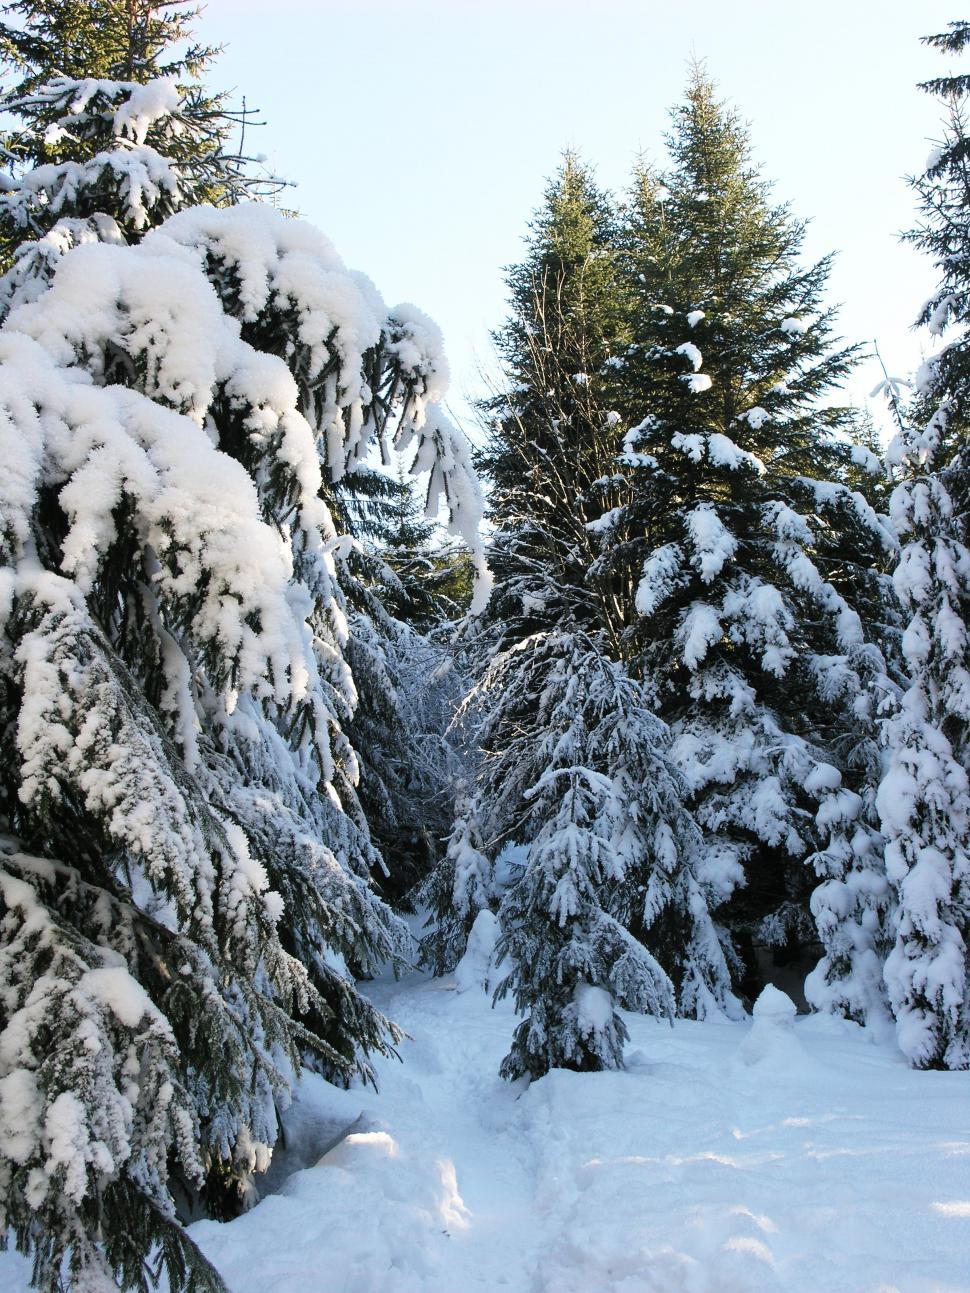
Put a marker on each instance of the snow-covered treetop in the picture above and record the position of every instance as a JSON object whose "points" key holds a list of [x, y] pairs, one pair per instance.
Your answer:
{"points": [[122, 149], [367, 378]]}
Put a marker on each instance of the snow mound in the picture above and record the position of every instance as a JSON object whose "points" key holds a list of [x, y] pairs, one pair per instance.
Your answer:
{"points": [[474, 968], [691, 353], [772, 1037], [774, 1008]]}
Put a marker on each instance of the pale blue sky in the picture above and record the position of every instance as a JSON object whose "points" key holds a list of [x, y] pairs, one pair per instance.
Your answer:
{"points": [[420, 132]]}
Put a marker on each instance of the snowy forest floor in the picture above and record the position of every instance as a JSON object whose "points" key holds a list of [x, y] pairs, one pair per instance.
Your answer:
{"points": [[727, 1157]]}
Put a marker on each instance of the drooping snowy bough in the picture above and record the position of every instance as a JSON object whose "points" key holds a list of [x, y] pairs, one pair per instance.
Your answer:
{"points": [[184, 893]]}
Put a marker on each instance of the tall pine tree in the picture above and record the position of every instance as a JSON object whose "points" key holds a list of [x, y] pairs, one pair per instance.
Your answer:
{"points": [[924, 799], [744, 554], [549, 433]]}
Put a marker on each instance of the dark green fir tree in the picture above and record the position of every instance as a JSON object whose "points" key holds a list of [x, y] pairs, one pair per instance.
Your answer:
{"points": [[748, 558], [549, 432]]}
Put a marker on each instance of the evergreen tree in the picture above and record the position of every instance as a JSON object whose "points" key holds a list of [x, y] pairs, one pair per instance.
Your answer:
{"points": [[744, 555], [111, 136], [924, 799], [185, 872], [549, 434], [574, 767]]}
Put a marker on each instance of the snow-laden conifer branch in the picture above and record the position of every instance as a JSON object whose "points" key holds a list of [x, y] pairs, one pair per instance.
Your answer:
{"points": [[174, 647]]}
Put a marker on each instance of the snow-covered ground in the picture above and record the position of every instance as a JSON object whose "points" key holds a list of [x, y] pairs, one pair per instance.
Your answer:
{"points": [[727, 1158]]}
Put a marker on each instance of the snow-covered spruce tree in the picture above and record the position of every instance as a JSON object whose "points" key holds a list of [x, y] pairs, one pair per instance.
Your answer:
{"points": [[279, 283], [750, 554], [111, 136], [148, 613], [924, 799], [186, 865], [574, 765], [545, 438], [549, 432]]}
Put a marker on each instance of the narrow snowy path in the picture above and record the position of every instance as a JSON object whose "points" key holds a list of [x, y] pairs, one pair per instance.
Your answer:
{"points": [[727, 1158], [430, 1193], [453, 1064]]}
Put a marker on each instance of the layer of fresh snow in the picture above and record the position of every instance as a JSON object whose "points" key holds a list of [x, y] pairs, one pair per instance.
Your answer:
{"points": [[691, 353], [791, 1155], [756, 417]]}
